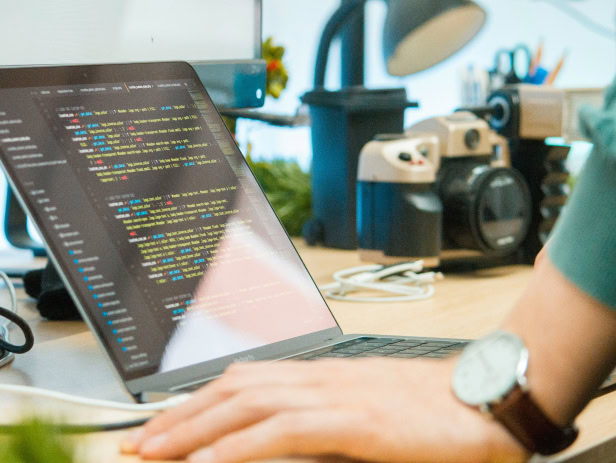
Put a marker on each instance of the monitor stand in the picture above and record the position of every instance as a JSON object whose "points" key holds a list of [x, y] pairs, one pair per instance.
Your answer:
{"points": [[17, 262]]}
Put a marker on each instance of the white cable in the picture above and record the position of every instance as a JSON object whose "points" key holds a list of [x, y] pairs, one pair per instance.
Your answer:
{"points": [[12, 295], [6, 323], [403, 280], [79, 400]]}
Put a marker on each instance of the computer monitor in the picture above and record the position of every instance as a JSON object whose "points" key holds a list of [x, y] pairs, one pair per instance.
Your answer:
{"points": [[220, 38]]}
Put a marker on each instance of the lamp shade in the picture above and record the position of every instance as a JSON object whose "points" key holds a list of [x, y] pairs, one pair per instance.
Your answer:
{"points": [[421, 33]]}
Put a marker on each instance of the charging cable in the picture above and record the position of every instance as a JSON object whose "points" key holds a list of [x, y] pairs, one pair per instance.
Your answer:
{"points": [[77, 428], [78, 400], [404, 281]]}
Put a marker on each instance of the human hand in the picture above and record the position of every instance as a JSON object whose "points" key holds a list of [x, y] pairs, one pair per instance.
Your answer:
{"points": [[371, 409]]}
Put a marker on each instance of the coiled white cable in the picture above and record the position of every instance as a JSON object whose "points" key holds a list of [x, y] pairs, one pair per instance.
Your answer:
{"points": [[403, 280], [6, 323], [79, 400]]}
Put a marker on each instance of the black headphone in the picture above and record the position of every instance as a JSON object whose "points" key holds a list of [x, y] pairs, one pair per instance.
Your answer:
{"points": [[25, 329]]}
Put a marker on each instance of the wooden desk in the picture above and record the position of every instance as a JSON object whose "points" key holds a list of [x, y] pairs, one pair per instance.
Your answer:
{"points": [[67, 358]]}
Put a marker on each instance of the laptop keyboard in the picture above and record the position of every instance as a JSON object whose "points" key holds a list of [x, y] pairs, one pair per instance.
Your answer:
{"points": [[386, 347]]}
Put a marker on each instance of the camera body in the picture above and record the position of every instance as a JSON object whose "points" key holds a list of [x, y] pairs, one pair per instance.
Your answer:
{"points": [[443, 189]]}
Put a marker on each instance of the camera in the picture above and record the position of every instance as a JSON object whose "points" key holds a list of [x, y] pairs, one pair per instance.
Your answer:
{"points": [[442, 190], [539, 122]]}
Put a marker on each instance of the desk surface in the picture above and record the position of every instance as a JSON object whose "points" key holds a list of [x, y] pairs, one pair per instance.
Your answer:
{"points": [[466, 305]]}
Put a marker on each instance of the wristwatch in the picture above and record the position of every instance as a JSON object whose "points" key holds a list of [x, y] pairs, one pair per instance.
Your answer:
{"points": [[491, 375]]}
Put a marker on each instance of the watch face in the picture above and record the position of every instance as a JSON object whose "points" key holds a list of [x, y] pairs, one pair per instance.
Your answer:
{"points": [[489, 368]]}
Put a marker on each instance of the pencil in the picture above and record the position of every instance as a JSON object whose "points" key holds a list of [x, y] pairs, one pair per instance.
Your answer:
{"points": [[549, 80]]}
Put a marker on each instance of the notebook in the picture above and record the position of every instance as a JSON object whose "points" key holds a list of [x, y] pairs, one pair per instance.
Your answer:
{"points": [[160, 231]]}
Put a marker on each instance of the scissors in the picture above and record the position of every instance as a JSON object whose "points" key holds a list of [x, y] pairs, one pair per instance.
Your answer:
{"points": [[512, 65]]}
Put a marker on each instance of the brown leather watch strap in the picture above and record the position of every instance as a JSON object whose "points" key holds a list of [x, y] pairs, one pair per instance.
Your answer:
{"points": [[525, 420]]}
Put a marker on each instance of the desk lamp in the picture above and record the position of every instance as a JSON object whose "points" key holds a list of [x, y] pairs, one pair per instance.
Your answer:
{"points": [[417, 34]]}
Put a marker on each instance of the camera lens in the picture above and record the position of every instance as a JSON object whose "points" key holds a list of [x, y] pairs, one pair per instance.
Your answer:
{"points": [[485, 208]]}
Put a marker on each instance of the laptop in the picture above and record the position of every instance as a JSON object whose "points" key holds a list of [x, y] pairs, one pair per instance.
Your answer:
{"points": [[160, 231]]}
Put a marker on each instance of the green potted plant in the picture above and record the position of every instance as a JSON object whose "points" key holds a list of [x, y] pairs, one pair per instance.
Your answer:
{"points": [[34, 441]]}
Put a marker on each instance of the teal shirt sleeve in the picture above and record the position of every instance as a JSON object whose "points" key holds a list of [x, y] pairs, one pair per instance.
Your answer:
{"points": [[583, 245]]}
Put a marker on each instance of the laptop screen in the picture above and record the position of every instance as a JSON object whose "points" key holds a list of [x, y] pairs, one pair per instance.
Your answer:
{"points": [[153, 216]]}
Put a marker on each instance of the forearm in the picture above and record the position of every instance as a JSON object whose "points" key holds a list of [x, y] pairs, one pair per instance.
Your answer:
{"points": [[571, 338]]}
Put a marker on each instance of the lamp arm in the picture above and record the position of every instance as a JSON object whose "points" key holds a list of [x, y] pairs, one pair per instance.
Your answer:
{"points": [[329, 32]]}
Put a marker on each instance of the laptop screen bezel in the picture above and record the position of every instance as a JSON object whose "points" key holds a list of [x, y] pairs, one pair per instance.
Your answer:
{"points": [[110, 73]]}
